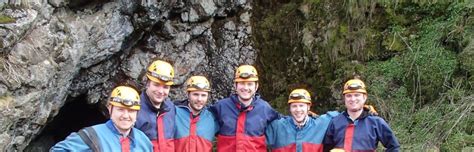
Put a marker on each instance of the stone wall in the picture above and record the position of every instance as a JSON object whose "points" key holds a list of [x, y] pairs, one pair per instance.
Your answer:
{"points": [[54, 49]]}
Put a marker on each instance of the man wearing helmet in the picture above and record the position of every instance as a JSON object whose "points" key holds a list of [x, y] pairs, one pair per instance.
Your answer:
{"points": [[243, 116], [117, 134], [355, 129], [195, 125], [298, 132], [156, 118]]}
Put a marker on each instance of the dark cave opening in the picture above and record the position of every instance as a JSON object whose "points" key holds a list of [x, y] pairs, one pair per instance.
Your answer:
{"points": [[73, 116]]}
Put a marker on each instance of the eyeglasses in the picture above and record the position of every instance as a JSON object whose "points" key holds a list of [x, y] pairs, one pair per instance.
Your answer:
{"points": [[247, 75], [298, 96], [159, 76], [355, 86], [200, 86], [125, 102]]}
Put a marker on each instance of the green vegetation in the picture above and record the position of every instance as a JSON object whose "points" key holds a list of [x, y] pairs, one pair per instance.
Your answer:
{"points": [[6, 19], [416, 57]]}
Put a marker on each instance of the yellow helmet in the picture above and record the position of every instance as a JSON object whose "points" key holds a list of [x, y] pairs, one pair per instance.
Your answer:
{"points": [[126, 97], [246, 73], [198, 83], [161, 72], [299, 95], [354, 86]]}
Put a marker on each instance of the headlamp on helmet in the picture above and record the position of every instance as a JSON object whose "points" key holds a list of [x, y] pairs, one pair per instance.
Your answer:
{"points": [[126, 97], [299, 95], [354, 86], [246, 73], [161, 72], [198, 83]]}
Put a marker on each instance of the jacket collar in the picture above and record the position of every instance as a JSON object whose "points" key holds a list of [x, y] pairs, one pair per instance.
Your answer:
{"points": [[111, 126], [235, 100], [300, 125], [364, 114], [182, 103], [240, 106], [185, 105]]}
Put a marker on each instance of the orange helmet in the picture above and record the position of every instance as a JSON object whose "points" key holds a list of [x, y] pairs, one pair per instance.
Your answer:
{"points": [[161, 72], [126, 97], [354, 86], [246, 73], [299, 95], [198, 83]]}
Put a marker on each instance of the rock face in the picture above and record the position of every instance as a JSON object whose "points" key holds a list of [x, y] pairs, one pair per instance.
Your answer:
{"points": [[55, 49]]}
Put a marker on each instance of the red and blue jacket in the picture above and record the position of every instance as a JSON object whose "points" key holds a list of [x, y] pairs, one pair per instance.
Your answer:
{"points": [[360, 135], [242, 128], [157, 124], [108, 139], [194, 133], [283, 134]]}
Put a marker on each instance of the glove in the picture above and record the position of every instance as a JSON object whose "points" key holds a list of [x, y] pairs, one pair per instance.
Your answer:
{"points": [[371, 110], [312, 114]]}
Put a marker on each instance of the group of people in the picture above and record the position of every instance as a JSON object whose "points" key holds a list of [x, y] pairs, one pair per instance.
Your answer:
{"points": [[150, 121]]}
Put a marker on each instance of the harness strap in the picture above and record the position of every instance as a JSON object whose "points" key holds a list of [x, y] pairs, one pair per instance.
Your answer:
{"points": [[89, 136]]}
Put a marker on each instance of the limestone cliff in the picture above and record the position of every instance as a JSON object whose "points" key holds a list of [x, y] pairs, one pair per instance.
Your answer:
{"points": [[53, 50]]}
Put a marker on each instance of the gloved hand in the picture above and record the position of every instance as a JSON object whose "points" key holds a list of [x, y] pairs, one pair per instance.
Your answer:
{"points": [[337, 150], [371, 110], [313, 114]]}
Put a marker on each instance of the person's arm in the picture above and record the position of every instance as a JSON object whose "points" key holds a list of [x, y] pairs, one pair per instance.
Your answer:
{"points": [[213, 110], [333, 114], [276, 114], [271, 113], [216, 124], [270, 134], [73, 142], [387, 137], [215, 113], [328, 140]]}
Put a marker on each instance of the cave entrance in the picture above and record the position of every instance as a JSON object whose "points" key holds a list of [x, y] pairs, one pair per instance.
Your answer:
{"points": [[74, 115]]}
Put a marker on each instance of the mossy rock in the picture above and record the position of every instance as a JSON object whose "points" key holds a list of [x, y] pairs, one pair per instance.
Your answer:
{"points": [[6, 19], [396, 18], [393, 40]]}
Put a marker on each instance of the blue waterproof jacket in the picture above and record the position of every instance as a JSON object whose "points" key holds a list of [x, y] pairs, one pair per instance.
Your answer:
{"points": [[109, 140], [242, 128], [283, 135], [194, 133], [157, 124], [362, 134]]}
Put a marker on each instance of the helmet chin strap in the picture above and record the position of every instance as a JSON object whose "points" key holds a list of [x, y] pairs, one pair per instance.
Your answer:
{"points": [[301, 120], [355, 110], [111, 109], [300, 124], [249, 100], [194, 109], [354, 114]]}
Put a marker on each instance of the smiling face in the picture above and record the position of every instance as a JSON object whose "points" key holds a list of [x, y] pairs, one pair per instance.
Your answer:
{"points": [[123, 118], [246, 90], [197, 100], [299, 111], [157, 92], [354, 101]]}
